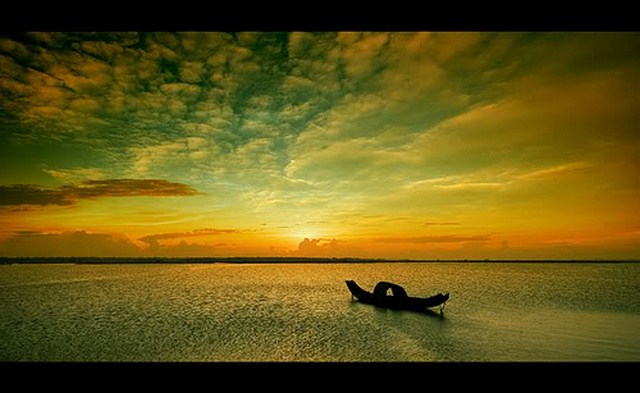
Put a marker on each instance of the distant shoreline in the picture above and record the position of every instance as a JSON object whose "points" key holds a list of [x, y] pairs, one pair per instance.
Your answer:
{"points": [[268, 260]]}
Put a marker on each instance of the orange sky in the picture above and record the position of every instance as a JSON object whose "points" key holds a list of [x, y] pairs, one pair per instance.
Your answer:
{"points": [[383, 145]]}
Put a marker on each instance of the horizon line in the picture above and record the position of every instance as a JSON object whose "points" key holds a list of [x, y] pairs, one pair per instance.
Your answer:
{"points": [[257, 259]]}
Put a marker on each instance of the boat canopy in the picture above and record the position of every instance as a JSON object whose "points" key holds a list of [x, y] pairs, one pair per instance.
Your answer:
{"points": [[396, 290]]}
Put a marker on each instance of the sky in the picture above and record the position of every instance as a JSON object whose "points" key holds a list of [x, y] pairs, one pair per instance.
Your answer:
{"points": [[415, 145]]}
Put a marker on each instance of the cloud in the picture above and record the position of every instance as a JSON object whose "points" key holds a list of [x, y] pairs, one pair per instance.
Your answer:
{"points": [[500, 178], [436, 239], [191, 72], [145, 158], [64, 244], [469, 186], [353, 159], [557, 170], [29, 243], [183, 249], [293, 83], [153, 239], [360, 51], [104, 50], [129, 187], [441, 223], [28, 194], [319, 247], [181, 154], [76, 175]]}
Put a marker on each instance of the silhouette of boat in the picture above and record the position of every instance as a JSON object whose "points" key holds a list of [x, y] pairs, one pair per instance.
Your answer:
{"points": [[398, 299]]}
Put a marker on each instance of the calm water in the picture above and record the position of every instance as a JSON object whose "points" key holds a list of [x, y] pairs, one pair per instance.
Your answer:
{"points": [[303, 312]]}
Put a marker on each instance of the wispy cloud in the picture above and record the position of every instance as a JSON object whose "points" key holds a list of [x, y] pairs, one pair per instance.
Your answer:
{"points": [[557, 170], [153, 239], [436, 239], [27, 194], [468, 186], [128, 187], [76, 175], [500, 178], [441, 223]]}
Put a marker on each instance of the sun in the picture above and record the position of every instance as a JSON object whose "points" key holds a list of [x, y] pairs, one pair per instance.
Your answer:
{"points": [[298, 233]]}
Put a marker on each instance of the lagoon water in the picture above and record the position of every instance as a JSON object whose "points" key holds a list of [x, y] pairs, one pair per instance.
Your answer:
{"points": [[303, 312]]}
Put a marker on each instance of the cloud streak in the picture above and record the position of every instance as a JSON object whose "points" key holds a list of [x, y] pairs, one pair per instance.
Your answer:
{"points": [[440, 223], [154, 239], [435, 239], [28, 194]]}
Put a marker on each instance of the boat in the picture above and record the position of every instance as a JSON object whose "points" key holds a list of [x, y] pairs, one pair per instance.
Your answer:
{"points": [[398, 298]]}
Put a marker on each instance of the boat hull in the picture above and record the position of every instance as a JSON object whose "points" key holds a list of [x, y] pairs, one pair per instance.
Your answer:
{"points": [[396, 302]]}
